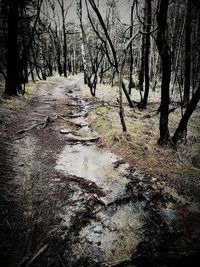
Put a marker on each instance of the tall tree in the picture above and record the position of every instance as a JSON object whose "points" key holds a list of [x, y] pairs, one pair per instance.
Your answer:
{"points": [[12, 55], [147, 13], [115, 63], [131, 49], [63, 15], [164, 51], [79, 13], [187, 72]]}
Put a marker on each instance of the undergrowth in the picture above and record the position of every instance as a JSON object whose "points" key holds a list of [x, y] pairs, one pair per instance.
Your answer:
{"points": [[140, 146], [10, 104]]}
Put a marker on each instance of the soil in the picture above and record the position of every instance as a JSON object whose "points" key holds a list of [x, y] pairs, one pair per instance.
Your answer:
{"points": [[64, 202]]}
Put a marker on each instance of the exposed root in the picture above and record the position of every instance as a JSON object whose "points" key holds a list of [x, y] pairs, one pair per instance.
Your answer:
{"points": [[43, 124]]}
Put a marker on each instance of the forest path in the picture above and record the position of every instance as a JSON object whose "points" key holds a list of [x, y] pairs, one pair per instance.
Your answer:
{"points": [[64, 202]]}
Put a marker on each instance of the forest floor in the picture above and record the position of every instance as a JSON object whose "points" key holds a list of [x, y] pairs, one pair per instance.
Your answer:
{"points": [[76, 191]]}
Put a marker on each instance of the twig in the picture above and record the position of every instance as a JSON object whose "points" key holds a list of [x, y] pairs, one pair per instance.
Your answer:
{"points": [[59, 116], [36, 255], [61, 261], [20, 137]]}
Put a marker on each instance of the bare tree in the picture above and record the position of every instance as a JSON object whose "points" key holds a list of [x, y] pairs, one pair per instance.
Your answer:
{"points": [[186, 116], [187, 72], [147, 28], [64, 11], [12, 78], [164, 52], [114, 63]]}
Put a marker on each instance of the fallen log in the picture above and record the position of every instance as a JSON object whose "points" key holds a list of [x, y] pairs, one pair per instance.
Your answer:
{"points": [[74, 138]]}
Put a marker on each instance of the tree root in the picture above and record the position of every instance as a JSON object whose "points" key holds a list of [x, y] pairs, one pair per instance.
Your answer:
{"points": [[43, 124]]}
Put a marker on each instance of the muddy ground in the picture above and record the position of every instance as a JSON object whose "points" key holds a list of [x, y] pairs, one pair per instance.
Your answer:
{"points": [[65, 202]]}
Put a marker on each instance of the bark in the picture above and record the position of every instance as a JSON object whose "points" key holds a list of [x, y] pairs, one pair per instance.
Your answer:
{"points": [[79, 13], [141, 72], [64, 38], [131, 50], [186, 116], [187, 72], [147, 51], [12, 56], [164, 52]]}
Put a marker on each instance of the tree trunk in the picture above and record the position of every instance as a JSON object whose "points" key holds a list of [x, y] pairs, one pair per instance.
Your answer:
{"points": [[131, 50], [164, 52], [64, 42], [147, 51], [114, 54], [186, 116], [79, 13], [141, 71], [12, 79], [187, 72]]}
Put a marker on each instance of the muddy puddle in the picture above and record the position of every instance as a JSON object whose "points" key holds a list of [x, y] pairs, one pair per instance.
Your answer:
{"points": [[136, 223], [95, 165], [113, 235]]}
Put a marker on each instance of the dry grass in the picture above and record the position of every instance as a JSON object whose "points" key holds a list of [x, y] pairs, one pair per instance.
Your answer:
{"points": [[140, 142], [9, 105]]}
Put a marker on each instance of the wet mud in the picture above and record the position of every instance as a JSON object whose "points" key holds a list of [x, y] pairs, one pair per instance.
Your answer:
{"points": [[69, 203]]}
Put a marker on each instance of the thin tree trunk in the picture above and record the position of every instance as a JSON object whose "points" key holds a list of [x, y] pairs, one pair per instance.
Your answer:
{"points": [[79, 12], [163, 48], [64, 43], [96, 10], [187, 72], [147, 51], [131, 50], [186, 116], [141, 71]]}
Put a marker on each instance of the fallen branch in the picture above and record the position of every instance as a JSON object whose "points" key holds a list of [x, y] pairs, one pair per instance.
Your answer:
{"points": [[74, 138], [20, 137], [66, 131], [36, 255], [59, 116], [77, 115]]}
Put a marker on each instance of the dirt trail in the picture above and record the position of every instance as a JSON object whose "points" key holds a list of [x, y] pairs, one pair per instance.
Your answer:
{"points": [[64, 202]]}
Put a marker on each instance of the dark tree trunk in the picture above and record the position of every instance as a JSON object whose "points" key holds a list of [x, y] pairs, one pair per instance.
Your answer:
{"points": [[58, 57], [64, 48], [164, 52], [131, 50], [12, 79], [186, 116], [187, 72], [141, 71], [147, 52], [62, 7]]}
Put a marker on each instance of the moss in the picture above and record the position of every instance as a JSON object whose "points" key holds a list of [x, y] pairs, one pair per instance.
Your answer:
{"points": [[31, 88]]}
